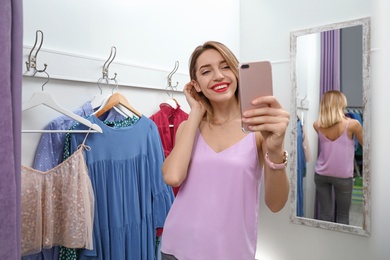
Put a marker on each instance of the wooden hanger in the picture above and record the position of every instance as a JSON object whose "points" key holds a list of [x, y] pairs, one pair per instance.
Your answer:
{"points": [[119, 101], [45, 98], [172, 102]]}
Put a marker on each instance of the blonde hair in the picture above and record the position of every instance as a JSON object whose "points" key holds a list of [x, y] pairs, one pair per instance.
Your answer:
{"points": [[332, 108], [227, 55]]}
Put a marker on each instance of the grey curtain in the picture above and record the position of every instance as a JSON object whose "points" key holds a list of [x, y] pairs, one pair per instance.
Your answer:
{"points": [[330, 61], [11, 38]]}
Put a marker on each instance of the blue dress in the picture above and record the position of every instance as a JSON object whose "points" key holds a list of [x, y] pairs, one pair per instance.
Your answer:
{"points": [[131, 198], [301, 169]]}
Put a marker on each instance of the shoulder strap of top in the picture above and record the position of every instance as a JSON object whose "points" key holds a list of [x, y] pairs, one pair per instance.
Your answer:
{"points": [[86, 147], [346, 127]]}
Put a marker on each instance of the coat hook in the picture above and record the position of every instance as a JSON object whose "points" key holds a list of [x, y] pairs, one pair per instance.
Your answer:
{"points": [[108, 62], [32, 59], [170, 77]]}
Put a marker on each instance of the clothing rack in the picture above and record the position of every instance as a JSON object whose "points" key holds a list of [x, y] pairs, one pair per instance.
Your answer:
{"points": [[358, 110]]}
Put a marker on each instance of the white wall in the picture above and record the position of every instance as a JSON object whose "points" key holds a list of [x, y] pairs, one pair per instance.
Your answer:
{"points": [[149, 36], [266, 35]]}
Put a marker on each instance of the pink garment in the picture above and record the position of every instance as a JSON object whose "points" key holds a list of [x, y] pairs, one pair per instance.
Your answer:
{"points": [[336, 158], [57, 206], [215, 213], [168, 120]]}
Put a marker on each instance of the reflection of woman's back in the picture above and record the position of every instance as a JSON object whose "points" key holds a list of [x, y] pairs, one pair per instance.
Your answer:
{"points": [[336, 151], [335, 163]]}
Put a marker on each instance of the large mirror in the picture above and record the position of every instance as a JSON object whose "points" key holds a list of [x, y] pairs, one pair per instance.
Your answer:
{"points": [[336, 56]]}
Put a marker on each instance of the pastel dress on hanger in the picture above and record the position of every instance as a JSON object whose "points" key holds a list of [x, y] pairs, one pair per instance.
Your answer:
{"points": [[57, 205], [49, 153]]}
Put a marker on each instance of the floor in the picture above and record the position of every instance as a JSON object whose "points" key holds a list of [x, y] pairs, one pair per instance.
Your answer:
{"points": [[356, 215], [356, 211]]}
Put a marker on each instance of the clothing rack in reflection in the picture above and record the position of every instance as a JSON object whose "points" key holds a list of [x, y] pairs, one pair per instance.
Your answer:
{"points": [[358, 110]]}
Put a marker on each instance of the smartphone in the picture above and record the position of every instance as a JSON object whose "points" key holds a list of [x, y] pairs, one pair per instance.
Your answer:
{"points": [[254, 80]]}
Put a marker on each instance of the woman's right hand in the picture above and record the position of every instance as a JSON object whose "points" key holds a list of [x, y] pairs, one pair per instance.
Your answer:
{"points": [[193, 97]]}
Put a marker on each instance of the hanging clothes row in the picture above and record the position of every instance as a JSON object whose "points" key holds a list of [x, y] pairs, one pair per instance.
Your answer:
{"points": [[128, 151], [303, 157], [357, 113], [119, 201], [49, 155]]}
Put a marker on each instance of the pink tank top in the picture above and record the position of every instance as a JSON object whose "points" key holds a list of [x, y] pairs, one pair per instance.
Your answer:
{"points": [[215, 213], [335, 158], [57, 206]]}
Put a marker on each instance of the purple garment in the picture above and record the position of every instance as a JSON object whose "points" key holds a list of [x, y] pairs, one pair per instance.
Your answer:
{"points": [[11, 40], [215, 213], [336, 158], [330, 61]]}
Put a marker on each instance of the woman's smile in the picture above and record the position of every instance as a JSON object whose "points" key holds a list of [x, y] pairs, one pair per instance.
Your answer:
{"points": [[220, 87]]}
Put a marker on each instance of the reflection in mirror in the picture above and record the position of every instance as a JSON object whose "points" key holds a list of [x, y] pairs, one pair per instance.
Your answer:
{"points": [[346, 68]]}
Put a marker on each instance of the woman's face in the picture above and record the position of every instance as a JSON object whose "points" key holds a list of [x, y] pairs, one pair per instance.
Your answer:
{"points": [[214, 77]]}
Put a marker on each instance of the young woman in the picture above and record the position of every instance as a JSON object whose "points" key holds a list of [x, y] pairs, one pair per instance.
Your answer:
{"points": [[219, 167], [335, 163]]}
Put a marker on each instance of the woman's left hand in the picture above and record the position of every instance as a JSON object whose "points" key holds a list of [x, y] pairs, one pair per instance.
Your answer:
{"points": [[271, 120]]}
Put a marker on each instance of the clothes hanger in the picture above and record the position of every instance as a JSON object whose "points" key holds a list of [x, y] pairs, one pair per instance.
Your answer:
{"points": [[98, 98], [45, 98], [172, 102], [99, 101], [115, 100], [119, 101]]}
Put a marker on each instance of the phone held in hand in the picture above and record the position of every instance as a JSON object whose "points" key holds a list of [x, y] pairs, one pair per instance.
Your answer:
{"points": [[254, 80]]}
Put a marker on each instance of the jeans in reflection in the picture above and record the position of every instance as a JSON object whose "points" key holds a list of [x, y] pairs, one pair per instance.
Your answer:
{"points": [[334, 196]]}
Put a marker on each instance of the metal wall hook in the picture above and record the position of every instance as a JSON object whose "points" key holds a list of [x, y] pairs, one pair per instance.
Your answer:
{"points": [[106, 65], [170, 77], [32, 59]]}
